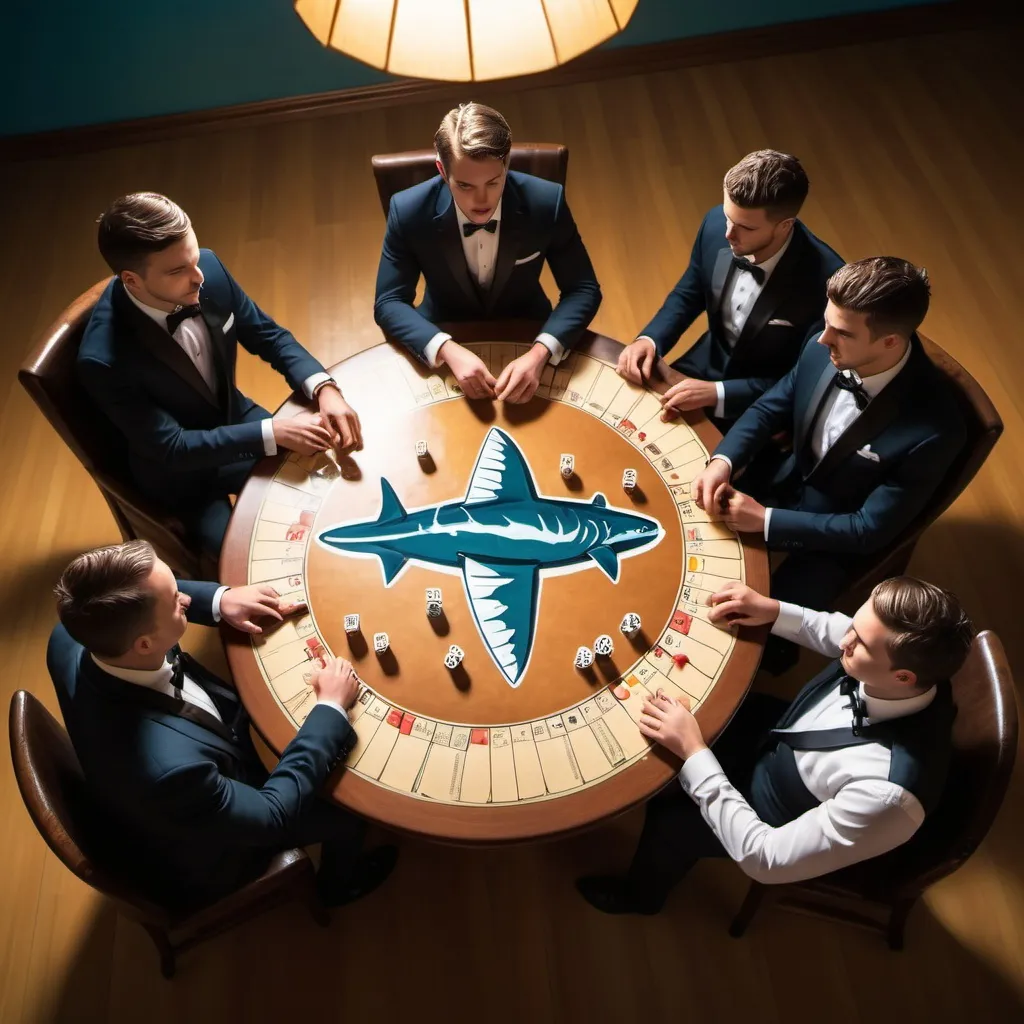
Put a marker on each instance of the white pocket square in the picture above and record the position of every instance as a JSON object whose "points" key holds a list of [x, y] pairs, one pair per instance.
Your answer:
{"points": [[526, 259], [227, 323], [867, 453], [779, 323]]}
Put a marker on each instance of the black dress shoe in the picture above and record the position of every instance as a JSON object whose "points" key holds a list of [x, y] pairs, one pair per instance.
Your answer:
{"points": [[370, 871], [613, 895]]}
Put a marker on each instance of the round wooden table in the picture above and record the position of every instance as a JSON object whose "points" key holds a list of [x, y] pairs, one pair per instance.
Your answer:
{"points": [[516, 742]]}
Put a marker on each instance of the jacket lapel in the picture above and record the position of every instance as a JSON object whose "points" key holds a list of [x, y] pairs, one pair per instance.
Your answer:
{"points": [[719, 276], [514, 217], [813, 407], [222, 361], [162, 346], [776, 288], [450, 242]]}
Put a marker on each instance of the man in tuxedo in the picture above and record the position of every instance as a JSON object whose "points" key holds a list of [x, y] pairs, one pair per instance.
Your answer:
{"points": [[479, 234], [848, 771], [187, 807], [875, 428], [760, 275], [158, 358]]}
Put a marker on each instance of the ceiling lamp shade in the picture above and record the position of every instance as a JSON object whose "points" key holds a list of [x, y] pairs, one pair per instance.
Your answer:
{"points": [[464, 40]]}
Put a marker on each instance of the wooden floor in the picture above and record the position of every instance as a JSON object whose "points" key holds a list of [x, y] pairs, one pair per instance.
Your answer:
{"points": [[912, 149]]}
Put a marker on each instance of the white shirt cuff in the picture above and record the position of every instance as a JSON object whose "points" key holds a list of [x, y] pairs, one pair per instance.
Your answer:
{"points": [[553, 345], [312, 381], [791, 618], [767, 522], [269, 441], [698, 768], [724, 458], [433, 347], [720, 404], [333, 704], [216, 603]]}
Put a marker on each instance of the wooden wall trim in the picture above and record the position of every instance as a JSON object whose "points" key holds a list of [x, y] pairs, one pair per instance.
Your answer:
{"points": [[790, 37]]}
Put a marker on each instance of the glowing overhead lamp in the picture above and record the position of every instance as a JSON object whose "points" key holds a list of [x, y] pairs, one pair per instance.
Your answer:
{"points": [[464, 40]]}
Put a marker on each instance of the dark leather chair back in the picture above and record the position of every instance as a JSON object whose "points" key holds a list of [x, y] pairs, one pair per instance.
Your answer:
{"points": [[984, 749], [58, 801], [48, 375], [396, 171], [984, 426]]}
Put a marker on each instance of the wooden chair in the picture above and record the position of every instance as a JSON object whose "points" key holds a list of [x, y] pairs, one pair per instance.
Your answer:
{"points": [[984, 426], [396, 171], [53, 788], [984, 748], [48, 375]]}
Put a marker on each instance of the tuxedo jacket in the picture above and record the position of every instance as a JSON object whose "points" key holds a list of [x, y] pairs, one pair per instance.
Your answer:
{"points": [[423, 237], [186, 803], [177, 431], [790, 307], [881, 471]]}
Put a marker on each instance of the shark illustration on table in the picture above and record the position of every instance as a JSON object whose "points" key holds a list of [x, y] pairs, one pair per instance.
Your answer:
{"points": [[502, 538]]}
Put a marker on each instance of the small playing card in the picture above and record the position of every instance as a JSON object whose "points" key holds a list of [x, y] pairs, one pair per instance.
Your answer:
{"points": [[454, 656], [381, 642], [421, 449], [603, 646], [630, 624], [628, 479], [584, 657], [567, 465], [351, 623]]}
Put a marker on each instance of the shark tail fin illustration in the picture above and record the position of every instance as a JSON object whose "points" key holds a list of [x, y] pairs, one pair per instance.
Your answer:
{"points": [[391, 508]]}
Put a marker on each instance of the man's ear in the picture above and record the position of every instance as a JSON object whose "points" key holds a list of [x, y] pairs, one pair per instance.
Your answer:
{"points": [[130, 278], [440, 169], [786, 225], [143, 645], [906, 677]]}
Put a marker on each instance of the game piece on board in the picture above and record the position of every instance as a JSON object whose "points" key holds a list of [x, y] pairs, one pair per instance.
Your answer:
{"points": [[630, 624], [603, 646], [421, 449], [351, 623], [629, 479], [584, 657], [621, 691], [567, 466], [453, 659], [681, 660], [381, 642], [434, 602]]}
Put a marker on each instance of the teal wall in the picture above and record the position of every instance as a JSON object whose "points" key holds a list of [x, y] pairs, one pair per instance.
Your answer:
{"points": [[69, 62]]}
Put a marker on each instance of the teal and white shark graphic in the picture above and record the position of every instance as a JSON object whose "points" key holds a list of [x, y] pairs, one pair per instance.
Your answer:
{"points": [[501, 538]]}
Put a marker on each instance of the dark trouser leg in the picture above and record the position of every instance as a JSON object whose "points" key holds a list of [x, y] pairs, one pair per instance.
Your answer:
{"points": [[675, 834], [340, 832]]}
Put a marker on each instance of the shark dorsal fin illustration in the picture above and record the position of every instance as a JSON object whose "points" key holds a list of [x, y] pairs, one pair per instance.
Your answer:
{"points": [[503, 597], [599, 500], [391, 509], [500, 473], [607, 560]]}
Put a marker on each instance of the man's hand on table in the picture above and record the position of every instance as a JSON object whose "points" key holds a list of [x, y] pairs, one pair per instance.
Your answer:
{"points": [[519, 380], [736, 604], [669, 722], [468, 369], [304, 433], [739, 511], [687, 395], [337, 415], [709, 486], [636, 361], [240, 607], [336, 682]]}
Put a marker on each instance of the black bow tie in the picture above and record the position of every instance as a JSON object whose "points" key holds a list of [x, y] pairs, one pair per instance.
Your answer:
{"points": [[741, 263], [849, 380], [177, 663], [469, 228], [174, 320], [850, 687]]}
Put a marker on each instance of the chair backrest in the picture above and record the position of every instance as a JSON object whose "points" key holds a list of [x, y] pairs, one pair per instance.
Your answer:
{"points": [[396, 171], [984, 749], [984, 426], [58, 801]]}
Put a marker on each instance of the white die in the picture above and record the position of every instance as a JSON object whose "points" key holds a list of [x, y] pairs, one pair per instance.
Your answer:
{"points": [[454, 656], [351, 623], [628, 479], [603, 646], [630, 624], [567, 465], [584, 657], [421, 449], [381, 642]]}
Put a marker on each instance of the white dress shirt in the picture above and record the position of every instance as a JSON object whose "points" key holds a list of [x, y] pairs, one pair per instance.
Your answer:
{"points": [[481, 251], [837, 414], [194, 338], [738, 298], [861, 813]]}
